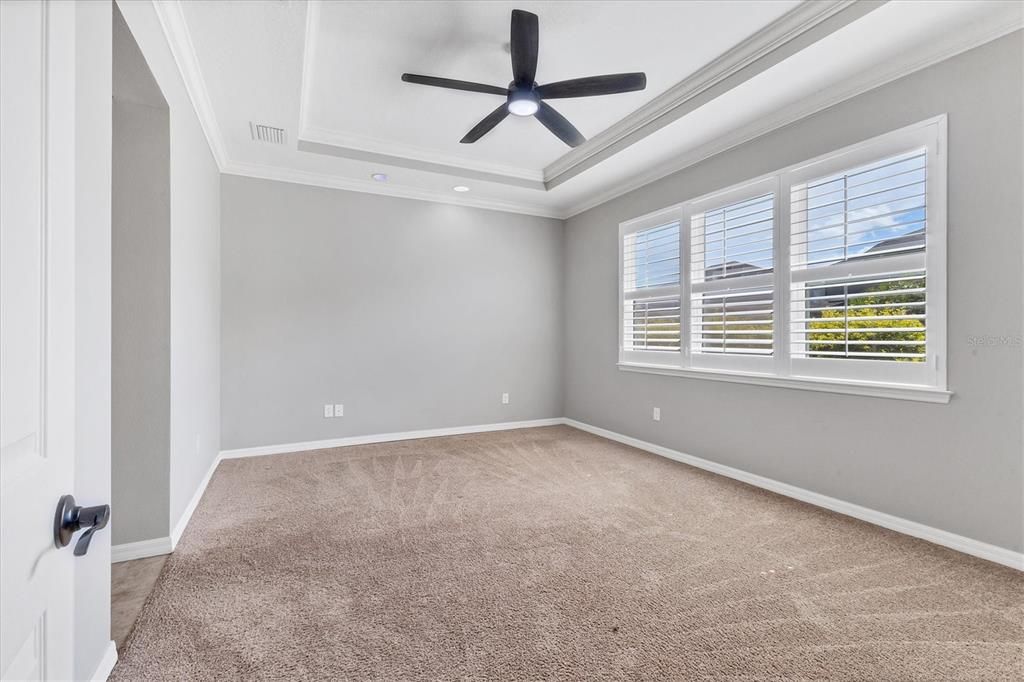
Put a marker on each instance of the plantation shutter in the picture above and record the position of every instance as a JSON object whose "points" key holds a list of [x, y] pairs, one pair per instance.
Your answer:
{"points": [[859, 269], [831, 271], [650, 289], [732, 285]]}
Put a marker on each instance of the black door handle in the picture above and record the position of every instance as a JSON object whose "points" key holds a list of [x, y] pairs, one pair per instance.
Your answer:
{"points": [[70, 519]]}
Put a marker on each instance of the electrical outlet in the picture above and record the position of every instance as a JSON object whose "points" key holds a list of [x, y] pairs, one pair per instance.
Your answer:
{"points": [[504, 398], [656, 414], [339, 410], [328, 411]]}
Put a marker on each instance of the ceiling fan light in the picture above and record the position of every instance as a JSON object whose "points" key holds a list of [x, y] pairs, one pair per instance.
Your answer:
{"points": [[523, 104]]}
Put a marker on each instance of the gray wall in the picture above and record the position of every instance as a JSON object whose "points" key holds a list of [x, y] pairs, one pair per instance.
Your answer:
{"points": [[414, 315], [141, 308], [957, 467], [195, 271]]}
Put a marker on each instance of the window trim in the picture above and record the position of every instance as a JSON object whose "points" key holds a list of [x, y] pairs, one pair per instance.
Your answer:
{"points": [[845, 386], [747, 190], [784, 372], [646, 222]]}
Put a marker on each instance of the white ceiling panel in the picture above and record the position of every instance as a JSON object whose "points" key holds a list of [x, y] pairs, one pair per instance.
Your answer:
{"points": [[362, 48], [329, 72]]}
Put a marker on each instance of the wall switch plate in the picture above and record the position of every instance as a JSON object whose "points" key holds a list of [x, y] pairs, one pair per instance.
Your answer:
{"points": [[504, 398], [339, 410], [656, 414], [328, 411]]}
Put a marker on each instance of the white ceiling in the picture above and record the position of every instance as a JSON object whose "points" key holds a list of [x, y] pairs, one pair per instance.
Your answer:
{"points": [[362, 48], [718, 72]]}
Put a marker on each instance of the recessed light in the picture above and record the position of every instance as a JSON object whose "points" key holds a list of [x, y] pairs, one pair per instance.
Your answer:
{"points": [[460, 188], [380, 177]]}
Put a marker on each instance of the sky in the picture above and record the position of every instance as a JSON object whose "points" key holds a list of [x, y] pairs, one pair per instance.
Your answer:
{"points": [[841, 216]]}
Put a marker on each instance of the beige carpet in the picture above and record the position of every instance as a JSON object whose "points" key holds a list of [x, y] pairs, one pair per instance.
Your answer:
{"points": [[549, 553]]}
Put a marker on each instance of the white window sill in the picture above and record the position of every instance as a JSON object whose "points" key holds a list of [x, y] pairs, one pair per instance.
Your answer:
{"points": [[922, 394]]}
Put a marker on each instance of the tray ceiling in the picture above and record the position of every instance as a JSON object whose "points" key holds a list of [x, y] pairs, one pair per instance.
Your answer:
{"points": [[328, 75], [360, 49]]}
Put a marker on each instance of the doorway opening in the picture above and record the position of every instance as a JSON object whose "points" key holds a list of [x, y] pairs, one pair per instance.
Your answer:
{"points": [[140, 333]]}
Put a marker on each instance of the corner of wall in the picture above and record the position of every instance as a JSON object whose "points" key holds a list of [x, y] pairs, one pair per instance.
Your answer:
{"points": [[195, 289], [563, 364]]}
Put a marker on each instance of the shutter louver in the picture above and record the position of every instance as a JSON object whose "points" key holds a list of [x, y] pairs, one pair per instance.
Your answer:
{"points": [[733, 240], [858, 262], [868, 212], [873, 318], [650, 285], [731, 265], [738, 321], [831, 271]]}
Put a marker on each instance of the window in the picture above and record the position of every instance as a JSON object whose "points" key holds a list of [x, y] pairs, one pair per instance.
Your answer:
{"points": [[732, 281], [830, 272], [650, 287]]}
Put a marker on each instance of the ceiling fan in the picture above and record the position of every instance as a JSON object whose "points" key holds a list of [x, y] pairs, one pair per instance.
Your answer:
{"points": [[524, 97]]}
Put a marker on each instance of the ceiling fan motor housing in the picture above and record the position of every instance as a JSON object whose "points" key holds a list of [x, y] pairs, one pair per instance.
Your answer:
{"points": [[522, 99]]}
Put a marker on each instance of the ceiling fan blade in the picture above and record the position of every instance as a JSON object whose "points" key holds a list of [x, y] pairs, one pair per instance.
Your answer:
{"points": [[483, 127], [558, 124], [454, 84], [590, 86], [524, 45]]}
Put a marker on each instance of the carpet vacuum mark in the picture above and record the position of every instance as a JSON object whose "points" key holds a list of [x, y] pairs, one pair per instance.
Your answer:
{"points": [[551, 553]]}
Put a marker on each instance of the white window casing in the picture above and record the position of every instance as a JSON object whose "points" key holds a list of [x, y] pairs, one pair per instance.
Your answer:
{"points": [[731, 278], [827, 275], [649, 288]]}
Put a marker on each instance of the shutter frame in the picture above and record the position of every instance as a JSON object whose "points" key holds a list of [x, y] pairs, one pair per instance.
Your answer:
{"points": [[787, 281], [643, 337], [747, 214]]}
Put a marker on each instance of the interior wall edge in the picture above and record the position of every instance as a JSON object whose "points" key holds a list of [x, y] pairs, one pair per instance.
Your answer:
{"points": [[197, 495], [195, 265], [106, 663]]}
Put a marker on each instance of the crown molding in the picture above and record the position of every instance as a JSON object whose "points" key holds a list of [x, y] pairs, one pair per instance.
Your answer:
{"points": [[972, 36], [759, 52], [802, 26], [308, 52], [319, 140], [172, 21], [789, 32], [253, 170], [175, 29], [323, 141]]}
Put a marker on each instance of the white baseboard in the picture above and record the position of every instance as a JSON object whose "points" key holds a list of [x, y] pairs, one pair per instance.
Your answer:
{"points": [[983, 550], [106, 664], [384, 438], [165, 545], [141, 549], [186, 515]]}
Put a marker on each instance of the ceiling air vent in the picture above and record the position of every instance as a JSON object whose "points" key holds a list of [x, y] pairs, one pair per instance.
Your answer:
{"points": [[262, 133]]}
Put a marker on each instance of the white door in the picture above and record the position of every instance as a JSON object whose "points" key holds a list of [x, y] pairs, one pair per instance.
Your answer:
{"points": [[37, 340]]}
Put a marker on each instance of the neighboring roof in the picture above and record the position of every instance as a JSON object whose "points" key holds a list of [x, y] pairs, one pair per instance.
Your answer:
{"points": [[910, 239]]}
